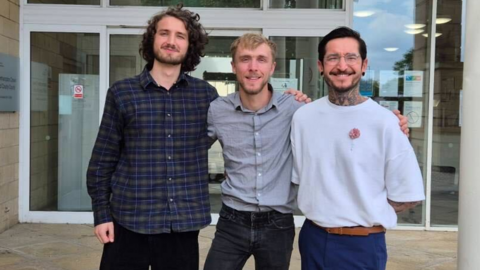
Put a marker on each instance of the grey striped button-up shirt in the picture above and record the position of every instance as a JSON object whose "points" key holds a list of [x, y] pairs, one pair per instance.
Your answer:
{"points": [[257, 152]]}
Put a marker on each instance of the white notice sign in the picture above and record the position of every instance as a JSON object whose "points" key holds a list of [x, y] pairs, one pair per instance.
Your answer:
{"points": [[413, 83], [78, 91], [413, 110]]}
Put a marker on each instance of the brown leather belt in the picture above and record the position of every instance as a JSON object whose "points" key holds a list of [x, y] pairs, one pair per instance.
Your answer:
{"points": [[355, 231]]}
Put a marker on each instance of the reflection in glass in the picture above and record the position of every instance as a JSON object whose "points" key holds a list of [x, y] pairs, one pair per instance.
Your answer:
{"points": [[397, 75], [125, 61], [297, 66], [64, 119], [319, 4], [447, 119], [190, 3]]}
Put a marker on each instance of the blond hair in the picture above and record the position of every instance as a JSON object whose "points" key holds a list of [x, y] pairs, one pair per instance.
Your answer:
{"points": [[251, 41]]}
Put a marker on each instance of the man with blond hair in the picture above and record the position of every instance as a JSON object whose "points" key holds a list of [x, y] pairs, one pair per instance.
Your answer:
{"points": [[258, 198]]}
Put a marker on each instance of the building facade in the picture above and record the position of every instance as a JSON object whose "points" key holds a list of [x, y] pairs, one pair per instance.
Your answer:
{"points": [[71, 51], [9, 121]]}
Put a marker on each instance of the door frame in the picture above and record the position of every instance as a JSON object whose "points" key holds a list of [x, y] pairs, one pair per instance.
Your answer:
{"points": [[25, 214]]}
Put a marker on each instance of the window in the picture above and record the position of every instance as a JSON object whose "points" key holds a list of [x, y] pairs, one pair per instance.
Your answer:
{"points": [[64, 118], [319, 4], [396, 34], [190, 3]]}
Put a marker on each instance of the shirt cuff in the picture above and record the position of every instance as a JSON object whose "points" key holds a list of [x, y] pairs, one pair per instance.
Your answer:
{"points": [[102, 216]]}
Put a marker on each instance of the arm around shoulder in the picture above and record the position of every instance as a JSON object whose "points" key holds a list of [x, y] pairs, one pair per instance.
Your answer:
{"points": [[211, 129]]}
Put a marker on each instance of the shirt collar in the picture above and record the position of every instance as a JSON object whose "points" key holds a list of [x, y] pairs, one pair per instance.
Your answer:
{"points": [[146, 78], [237, 103]]}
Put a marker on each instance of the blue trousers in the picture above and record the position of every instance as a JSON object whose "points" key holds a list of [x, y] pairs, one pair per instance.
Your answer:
{"points": [[320, 250], [268, 236]]}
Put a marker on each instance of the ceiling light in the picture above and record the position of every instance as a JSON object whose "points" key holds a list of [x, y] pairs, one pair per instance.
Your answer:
{"points": [[414, 31], [436, 35], [415, 26], [442, 20], [363, 13], [390, 49]]}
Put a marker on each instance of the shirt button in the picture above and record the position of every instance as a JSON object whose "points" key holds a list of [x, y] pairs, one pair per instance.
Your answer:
{"points": [[259, 154], [168, 114], [169, 136], [260, 174], [170, 179], [171, 200], [256, 133], [259, 194], [169, 157]]}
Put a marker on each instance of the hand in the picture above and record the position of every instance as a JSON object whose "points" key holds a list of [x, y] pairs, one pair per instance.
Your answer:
{"points": [[104, 232], [299, 96], [403, 122], [402, 206]]}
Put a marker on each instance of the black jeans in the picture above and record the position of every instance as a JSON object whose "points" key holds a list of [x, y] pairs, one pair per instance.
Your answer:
{"points": [[166, 251], [268, 236]]}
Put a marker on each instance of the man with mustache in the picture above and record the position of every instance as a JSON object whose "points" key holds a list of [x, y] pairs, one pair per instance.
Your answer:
{"points": [[148, 175], [354, 168], [253, 127]]}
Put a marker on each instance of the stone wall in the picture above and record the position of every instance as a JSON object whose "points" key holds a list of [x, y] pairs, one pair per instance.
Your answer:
{"points": [[9, 122]]}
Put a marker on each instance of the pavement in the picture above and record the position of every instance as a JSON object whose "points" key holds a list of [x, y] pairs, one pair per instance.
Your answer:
{"points": [[74, 247]]}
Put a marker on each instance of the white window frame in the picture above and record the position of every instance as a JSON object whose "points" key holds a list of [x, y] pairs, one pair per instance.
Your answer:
{"points": [[25, 214]]}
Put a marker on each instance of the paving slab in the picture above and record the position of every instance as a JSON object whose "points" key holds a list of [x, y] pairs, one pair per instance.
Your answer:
{"points": [[74, 247]]}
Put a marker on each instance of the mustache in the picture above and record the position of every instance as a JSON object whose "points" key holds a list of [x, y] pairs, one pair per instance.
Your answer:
{"points": [[170, 47], [342, 73]]}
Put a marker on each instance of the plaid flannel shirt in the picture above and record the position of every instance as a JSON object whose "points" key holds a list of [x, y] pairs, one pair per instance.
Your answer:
{"points": [[149, 167]]}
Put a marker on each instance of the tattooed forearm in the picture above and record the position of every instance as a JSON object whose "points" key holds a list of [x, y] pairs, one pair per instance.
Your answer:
{"points": [[402, 206]]}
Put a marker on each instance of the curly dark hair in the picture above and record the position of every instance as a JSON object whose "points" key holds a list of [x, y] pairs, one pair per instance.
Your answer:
{"points": [[197, 37]]}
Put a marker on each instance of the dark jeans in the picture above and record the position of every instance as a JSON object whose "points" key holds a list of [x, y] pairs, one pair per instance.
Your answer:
{"points": [[320, 250], [166, 251], [268, 236]]}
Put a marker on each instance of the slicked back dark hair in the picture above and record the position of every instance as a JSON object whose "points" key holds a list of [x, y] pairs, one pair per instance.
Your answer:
{"points": [[197, 37], [342, 32]]}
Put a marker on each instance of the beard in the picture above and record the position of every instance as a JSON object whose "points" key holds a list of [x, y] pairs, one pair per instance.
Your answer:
{"points": [[342, 89], [252, 91], [169, 59]]}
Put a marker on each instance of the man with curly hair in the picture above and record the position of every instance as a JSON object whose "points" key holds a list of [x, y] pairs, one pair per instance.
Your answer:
{"points": [[148, 175]]}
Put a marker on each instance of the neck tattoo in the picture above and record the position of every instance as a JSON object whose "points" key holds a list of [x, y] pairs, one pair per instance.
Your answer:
{"points": [[347, 98]]}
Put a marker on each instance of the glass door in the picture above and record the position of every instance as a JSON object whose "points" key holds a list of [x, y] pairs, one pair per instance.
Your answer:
{"points": [[64, 69]]}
